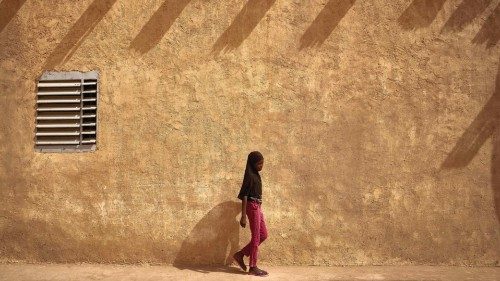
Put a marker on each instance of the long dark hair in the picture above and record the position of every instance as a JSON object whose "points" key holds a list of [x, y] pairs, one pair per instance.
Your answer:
{"points": [[252, 176]]}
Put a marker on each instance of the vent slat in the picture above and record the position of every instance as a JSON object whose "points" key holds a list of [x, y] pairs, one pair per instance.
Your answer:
{"points": [[58, 108], [57, 142], [58, 101], [90, 99], [74, 133], [59, 117], [90, 108], [58, 125], [58, 84], [88, 141], [65, 93], [88, 124], [88, 115]]}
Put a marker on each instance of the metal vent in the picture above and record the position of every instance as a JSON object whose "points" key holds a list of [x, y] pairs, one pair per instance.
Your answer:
{"points": [[66, 112]]}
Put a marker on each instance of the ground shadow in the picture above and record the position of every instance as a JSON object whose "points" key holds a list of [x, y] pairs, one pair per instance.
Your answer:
{"points": [[80, 30], [8, 9], [161, 21], [213, 241], [242, 26], [420, 13], [466, 12], [490, 31], [484, 126], [325, 23]]}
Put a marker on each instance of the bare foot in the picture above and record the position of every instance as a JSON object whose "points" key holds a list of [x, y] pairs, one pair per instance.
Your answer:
{"points": [[238, 257]]}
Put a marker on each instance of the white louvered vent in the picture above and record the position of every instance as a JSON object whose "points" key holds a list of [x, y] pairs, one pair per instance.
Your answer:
{"points": [[66, 112]]}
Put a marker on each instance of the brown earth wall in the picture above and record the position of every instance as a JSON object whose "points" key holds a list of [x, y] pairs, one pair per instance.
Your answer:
{"points": [[378, 120]]}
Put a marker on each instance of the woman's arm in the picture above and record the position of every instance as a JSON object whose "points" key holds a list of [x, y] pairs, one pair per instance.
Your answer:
{"points": [[243, 220]]}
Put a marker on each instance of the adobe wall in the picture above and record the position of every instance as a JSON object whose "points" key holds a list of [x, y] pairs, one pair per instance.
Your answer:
{"points": [[378, 121]]}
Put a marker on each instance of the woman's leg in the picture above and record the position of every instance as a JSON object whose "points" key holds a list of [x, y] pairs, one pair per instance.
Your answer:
{"points": [[263, 228], [254, 218], [263, 236]]}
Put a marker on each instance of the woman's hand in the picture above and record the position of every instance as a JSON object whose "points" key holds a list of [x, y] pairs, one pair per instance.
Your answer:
{"points": [[243, 221]]}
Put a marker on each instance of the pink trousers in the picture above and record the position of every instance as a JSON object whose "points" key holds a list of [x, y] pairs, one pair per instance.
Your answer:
{"points": [[258, 229]]}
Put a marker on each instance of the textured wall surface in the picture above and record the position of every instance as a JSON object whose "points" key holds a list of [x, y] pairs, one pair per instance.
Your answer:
{"points": [[379, 122]]}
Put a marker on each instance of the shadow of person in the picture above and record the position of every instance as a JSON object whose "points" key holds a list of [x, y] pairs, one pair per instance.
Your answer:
{"points": [[211, 244]]}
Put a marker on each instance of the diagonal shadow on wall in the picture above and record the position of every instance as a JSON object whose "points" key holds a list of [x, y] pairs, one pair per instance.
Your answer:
{"points": [[466, 12], [77, 34], [158, 25], [490, 31], [484, 126], [213, 240], [241, 27], [420, 13], [325, 23], [8, 9]]}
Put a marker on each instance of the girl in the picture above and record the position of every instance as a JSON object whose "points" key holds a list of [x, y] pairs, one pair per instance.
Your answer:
{"points": [[251, 199]]}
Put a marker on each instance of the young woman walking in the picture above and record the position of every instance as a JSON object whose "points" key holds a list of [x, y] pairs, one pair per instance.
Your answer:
{"points": [[251, 200]]}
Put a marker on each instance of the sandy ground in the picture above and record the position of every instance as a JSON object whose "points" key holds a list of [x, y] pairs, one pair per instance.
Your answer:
{"points": [[13, 272]]}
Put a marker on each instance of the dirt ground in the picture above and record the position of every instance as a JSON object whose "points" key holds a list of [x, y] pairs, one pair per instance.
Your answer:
{"points": [[13, 272]]}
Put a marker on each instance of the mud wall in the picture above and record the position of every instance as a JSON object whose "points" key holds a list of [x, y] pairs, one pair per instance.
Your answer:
{"points": [[378, 120]]}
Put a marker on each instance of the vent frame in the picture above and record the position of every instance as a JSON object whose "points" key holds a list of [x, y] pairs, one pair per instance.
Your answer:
{"points": [[63, 102]]}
